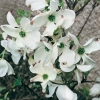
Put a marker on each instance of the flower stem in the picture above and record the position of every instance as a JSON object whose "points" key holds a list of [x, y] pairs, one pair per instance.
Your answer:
{"points": [[3, 53]]}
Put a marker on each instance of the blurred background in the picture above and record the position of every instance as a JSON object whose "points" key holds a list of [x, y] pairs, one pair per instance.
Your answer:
{"points": [[87, 24]]}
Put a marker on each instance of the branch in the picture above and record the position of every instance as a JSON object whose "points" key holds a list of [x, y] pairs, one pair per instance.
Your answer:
{"points": [[32, 92], [67, 4], [77, 12], [93, 6]]}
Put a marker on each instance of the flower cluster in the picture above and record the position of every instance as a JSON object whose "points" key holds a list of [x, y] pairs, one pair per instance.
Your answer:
{"points": [[52, 53]]}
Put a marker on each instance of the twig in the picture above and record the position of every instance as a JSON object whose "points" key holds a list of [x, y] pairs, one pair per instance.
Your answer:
{"points": [[75, 3], [33, 93], [68, 4], [93, 6], [83, 81], [77, 12]]}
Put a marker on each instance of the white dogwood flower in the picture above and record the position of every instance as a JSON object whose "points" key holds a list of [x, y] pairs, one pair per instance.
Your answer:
{"points": [[17, 52], [44, 74], [53, 19], [25, 34], [5, 68], [46, 53], [80, 53]]}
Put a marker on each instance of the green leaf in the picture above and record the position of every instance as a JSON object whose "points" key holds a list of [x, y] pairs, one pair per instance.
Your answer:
{"points": [[85, 1], [85, 91], [18, 20], [27, 14], [2, 88], [61, 3], [18, 82], [80, 95], [22, 13], [1, 38]]}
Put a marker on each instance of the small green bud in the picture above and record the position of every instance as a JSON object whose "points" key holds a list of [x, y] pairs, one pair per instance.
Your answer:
{"points": [[22, 34], [45, 76], [51, 18], [81, 51]]}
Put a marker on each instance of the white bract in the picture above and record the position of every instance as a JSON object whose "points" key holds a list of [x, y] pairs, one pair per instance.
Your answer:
{"points": [[95, 90], [5, 68], [11, 47], [44, 74], [62, 92], [42, 5], [96, 99], [46, 53], [17, 52], [26, 35], [36, 4], [67, 60]]}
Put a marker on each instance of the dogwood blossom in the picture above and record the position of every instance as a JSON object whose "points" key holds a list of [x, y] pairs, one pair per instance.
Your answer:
{"points": [[25, 34], [80, 52], [5, 68], [53, 19], [44, 74], [49, 53]]}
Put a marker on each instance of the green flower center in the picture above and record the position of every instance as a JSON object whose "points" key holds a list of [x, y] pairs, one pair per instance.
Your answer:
{"points": [[22, 33], [45, 76], [81, 51], [61, 45], [46, 8], [51, 18], [47, 49]]}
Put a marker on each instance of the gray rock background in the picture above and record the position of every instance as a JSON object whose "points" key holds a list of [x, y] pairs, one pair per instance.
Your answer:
{"points": [[92, 28]]}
